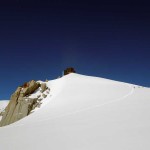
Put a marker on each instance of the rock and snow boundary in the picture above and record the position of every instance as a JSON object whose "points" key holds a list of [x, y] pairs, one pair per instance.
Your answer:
{"points": [[84, 113], [24, 101]]}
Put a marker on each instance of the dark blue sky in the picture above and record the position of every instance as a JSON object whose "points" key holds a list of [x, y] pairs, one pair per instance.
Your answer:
{"points": [[38, 39]]}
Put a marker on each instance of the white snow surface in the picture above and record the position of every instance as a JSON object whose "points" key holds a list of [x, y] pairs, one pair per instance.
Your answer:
{"points": [[84, 113], [3, 104]]}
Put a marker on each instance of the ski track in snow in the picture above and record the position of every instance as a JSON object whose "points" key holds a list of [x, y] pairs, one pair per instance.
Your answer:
{"points": [[92, 107], [84, 113], [85, 109]]}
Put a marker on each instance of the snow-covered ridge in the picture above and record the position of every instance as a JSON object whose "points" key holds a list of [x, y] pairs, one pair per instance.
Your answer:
{"points": [[84, 113]]}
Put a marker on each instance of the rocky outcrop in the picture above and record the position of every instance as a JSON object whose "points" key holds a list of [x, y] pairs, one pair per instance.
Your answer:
{"points": [[43, 87], [69, 70], [22, 103]]}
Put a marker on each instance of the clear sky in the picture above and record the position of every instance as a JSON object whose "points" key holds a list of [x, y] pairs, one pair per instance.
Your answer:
{"points": [[39, 39]]}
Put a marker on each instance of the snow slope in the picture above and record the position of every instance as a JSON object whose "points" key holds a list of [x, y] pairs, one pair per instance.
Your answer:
{"points": [[84, 113], [3, 104]]}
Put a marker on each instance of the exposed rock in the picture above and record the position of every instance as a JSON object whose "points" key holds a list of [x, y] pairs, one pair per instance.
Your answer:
{"points": [[20, 104], [43, 87], [31, 87], [69, 70], [40, 99], [38, 96], [44, 95]]}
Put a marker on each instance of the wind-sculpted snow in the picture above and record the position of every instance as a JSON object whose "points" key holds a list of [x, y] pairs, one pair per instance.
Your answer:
{"points": [[84, 113]]}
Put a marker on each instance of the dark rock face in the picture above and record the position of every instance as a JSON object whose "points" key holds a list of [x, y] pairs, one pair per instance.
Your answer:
{"points": [[20, 104], [69, 70]]}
